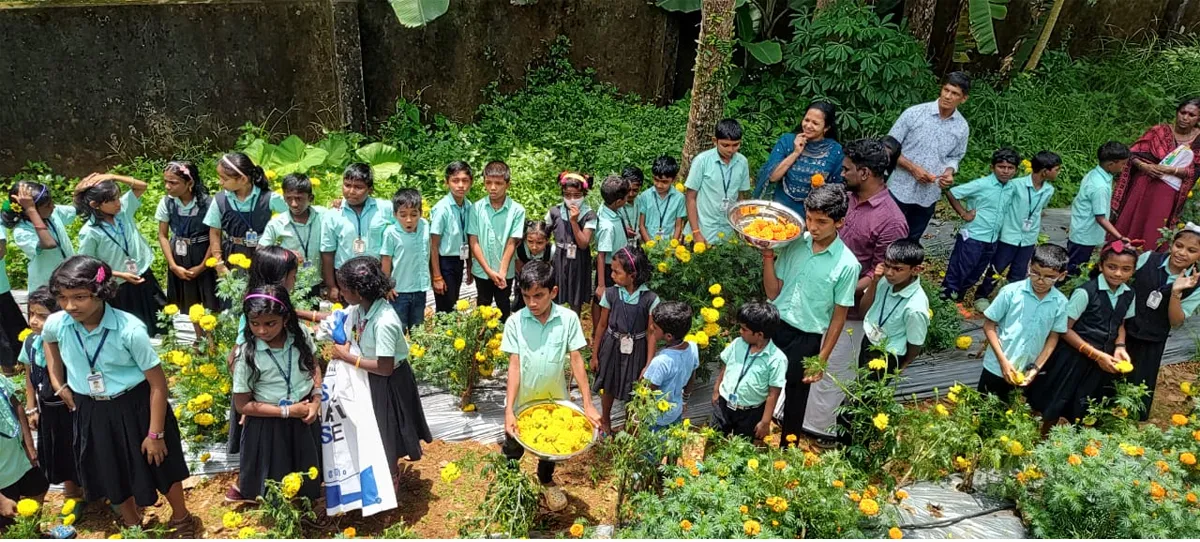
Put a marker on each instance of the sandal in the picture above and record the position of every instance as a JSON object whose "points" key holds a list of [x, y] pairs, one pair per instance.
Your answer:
{"points": [[185, 527], [61, 532]]}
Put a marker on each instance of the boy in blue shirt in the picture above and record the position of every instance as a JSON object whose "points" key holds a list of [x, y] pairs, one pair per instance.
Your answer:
{"points": [[717, 179], [1090, 208], [988, 198], [673, 367], [405, 258], [661, 209], [448, 232], [897, 310], [752, 376], [1023, 324], [1020, 225]]}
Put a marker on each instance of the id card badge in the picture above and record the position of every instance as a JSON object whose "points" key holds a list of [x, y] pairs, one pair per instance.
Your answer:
{"points": [[360, 246], [626, 345], [659, 235], [181, 247], [732, 401], [874, 333], [726, 203], [95, 383], [464, 252], [570, 251], [307, 264], [251, 238], [131, 266], [1154, 299], [1028, 225]]}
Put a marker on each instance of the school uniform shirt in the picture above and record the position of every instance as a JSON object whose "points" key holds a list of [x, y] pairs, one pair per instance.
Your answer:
{"points": [[1079, 300], [13, 461], [610, 236], [410, 257], [448, 220], [565, 212], [630, 299], [902, 316], [670, 370], [542, 350], [34, 343], [42, 261], [493, 228], [661, 212], [989, 198], [5, 287], [814, 283], [282, 230], [380, 333], [1024, 208], [1187, 304], [762, 371], [629, 215], [212, 218], [122, 360], [346, 226], [277, 368], [715, 182], [116, 242], [1094, 199], [1023, 323]]}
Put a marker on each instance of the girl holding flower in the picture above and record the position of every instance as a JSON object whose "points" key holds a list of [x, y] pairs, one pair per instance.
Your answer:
{"points": [[183, 238]]}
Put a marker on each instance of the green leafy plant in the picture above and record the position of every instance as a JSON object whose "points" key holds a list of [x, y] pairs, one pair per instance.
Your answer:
{"points": [[510, 504], [291, 155], [455, 350]]}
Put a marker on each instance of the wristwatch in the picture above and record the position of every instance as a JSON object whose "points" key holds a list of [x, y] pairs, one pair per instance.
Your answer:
{"points": [[154, 436]]}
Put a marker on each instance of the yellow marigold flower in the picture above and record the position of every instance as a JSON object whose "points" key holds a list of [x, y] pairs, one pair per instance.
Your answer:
{"points": [[1185, 387], [868, 507], [1074, 460], [699, 248], [712, 330], [895, 533], [1124, 367], [208, 322], [751, 527], [459, 344], [577, 530], [663, 405], [247, 532], [1027, 166], [674, 243], [337, 307], [1016, 448], [881, 421], [27, 507], [450, 472], [115, 536], [854, 496], [69, 520], [171, 310], [780, 464], [417, 351], [225, 387], [962, 463], [25, 333], [952, 397], [470, 407], [462, 305], [715, 289], [663, 267], [231, 520], [930, 311], [1179, 419], [942, 410], [744, 509], [811, 459], [1196, 435], [271, 174], [313, 473], [791, 438], [1187, 458], [720, 235], [680, 187], [780, 506], [208, 370], [963, 342], [290, 485], [752, 464], [649, 244], [710, 315], [68, 507], [195, 313], [877, 364], [1091, 451], [839, 484], [204, 419], [350, 532], [685, 525], [210, 262], [718, 302]]}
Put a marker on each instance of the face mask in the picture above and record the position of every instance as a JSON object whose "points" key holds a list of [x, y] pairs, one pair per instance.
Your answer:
{"points": [[572, 202]]}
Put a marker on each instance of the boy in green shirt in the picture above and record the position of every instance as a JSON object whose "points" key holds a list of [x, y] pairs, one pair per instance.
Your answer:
{"points": [[661, 209], [610, 235], [494, 229], [897, 311], [988, 198], [299, 229], [1090, 208], [753, 374], [718, 178], [631, 213], [448, 233], [537, 338], [406, 258], [1021, 224]]}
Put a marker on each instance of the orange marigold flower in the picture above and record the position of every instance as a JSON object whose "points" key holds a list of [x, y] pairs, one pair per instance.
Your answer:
{"points": [[895, 533], [685, 525], [743, 509], [1157, 491], [868, 507], [839, 484], [1187, 458], [901, 494], [1196, 435], [1191, 498], [1179, 419], [577, 530], [780, 464], [1074, 460], [679, 482], [1163, 467], [818, 180], [854, 496], [811, 459], [1091, 451], [694, 471]]}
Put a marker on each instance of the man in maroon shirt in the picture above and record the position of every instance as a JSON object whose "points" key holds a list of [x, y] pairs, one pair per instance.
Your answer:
{"points": [[873, 222]]}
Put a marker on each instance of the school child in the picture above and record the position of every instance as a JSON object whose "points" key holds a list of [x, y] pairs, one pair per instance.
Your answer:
{"points": [[356, 229], [536, 247], [183, 238], [609, 240], [1091, 206], [494, 230], [672, 371], [46, 412], [277, 387], [1165, 286], [380, 336], [299, 229], [39, 229], [987, 199], [1023, 324], [406, 258], [448, 232], [1084, 362], [238, 214], [630, 213], [110, 234], [104, 368], [896, 309], [1020, 225], [813, 285], [717, 179], [622, 351], [753, 373], [540, 336], [573, 224], [661, 209], [19, 479], [12, 322]]}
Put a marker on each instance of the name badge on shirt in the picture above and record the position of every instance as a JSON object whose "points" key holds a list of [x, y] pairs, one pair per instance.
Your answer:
{"points": [[251, 238], [1028, 225], [307, 264], [874, 333], [360, 246], [626, 345], [131, 266], [181, 247], [464, 252], [1154, 299], [95, 382], [570, 248]]}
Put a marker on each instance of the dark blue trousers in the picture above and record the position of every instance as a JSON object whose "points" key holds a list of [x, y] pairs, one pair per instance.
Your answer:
{"points": [[1077, 255], [967, 262], [1015, 258]]}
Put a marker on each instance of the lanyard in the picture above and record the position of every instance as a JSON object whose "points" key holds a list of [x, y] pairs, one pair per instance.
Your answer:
{"points": [[1032, 207], [12, 410], [624, 224], [883, 319], [745, 368], [303, 244], [124, 244], [359, 216], [241, 215], [462, 219], [92, 358], [726, 180], [54, 234], [287, 375], [662, 209], [181, 231]]}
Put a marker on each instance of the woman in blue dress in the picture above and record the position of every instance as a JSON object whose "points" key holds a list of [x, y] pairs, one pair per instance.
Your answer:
{"points": [[798, 156]]}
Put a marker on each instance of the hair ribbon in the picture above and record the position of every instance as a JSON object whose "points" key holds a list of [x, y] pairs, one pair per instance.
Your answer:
{"points": [[562, 179], [225, 160], [265, 296], [100, 274], [628, 254]]}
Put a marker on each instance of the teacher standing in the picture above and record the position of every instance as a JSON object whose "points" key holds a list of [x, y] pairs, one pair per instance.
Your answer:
{"points": [[803, 160], [1142, 199]]}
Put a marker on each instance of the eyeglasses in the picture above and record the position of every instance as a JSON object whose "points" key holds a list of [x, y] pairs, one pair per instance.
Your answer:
{"points": [[1043, 278]]}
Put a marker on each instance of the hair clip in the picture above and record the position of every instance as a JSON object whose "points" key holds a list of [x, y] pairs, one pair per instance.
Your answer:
{"points": [[100, 274], [1191, 227], [1118, 246], [567, 175]]}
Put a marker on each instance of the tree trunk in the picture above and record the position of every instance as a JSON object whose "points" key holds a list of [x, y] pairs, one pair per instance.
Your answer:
{"points": [[920, 19], [945, 35], [711, 73], [1044, 39]]}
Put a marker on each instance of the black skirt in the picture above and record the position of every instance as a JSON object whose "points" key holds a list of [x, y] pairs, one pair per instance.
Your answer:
{"points": [[143, 301], [1063, 386], [56, 456], [399, 414], [12, 323], [234, 445], [1147, 360], [108, 448], [618, 372], [201, 290], [274, 447]]}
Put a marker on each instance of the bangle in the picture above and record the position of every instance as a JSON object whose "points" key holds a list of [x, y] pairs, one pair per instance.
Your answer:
{"points": [[357, 362], [1119, 345], [30, 411], [58, 392], [283, 411]]}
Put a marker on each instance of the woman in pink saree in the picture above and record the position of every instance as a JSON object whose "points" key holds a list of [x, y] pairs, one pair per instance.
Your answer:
{"points": [[1142, 201]]}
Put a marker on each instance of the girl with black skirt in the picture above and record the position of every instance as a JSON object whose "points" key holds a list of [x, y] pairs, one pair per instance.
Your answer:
{"points": [[277, 387], [1084, 363], [1165, 285], [47, 414], [623, 351], [379, 336], [239, 214], [535, 247], [183, 238], [103, 367], [110, 235], [572, 225]]}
